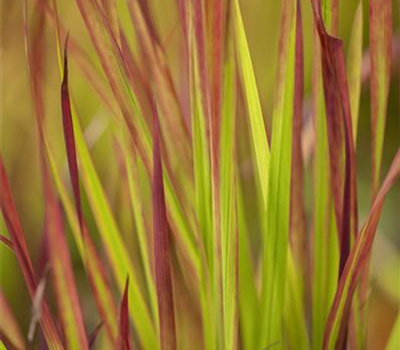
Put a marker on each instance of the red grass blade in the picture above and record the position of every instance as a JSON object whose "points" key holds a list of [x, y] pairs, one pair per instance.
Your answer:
{"points": [[124, 334], [95, 268], [340, 131], [69, 136], [161, 248], [358, 257], [17, 237]]}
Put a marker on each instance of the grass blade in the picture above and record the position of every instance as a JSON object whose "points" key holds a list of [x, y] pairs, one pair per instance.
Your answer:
{"points": [[17, 237], [277, 236], [259, 135], [354, 65], [124, 342], [380, 36], [161, 248], [357, 258], [64, 281], [228, 217]]}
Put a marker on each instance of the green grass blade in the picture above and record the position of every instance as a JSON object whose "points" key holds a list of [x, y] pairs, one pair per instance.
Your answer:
{"points": [[229, 230], [277, 235], [259, 135]]}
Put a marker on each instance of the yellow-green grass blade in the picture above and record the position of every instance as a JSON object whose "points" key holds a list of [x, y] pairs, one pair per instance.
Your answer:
{"points": [[86, 253], [115, 248], [394, 339], [259, 135], [132, 172], [203, 189], [354, 65], [229, 230], [248, 299], [114, 67], [278, 205], [294, 316]]}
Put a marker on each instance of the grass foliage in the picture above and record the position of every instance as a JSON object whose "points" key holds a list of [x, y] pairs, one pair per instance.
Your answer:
{"points": [[213, 246]]}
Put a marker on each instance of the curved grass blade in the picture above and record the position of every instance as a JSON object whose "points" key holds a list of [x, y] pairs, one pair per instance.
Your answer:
{"points": [[275, 249], [161, 248], [17, 237], [358, 256]]}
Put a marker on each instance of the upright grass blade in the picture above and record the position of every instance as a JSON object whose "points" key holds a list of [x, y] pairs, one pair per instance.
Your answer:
{"points": [[354, 65], [10, 332], [259, 135], [297, 268], [380, 43], [325, 250], [161, 248], [17, 237], [298, 234], [357, 259], [228, 185], [248, 298], [124, 342], [275, 248]]}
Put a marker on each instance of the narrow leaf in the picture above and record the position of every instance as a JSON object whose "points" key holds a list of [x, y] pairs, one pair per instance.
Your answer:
{"points": [[161, 248], [124, 334], [259, 135], [275, 249], [380, 43]]}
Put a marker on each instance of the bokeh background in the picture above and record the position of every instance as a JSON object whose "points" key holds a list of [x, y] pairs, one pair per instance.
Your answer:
{"points": [[261, 17]]}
